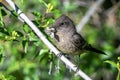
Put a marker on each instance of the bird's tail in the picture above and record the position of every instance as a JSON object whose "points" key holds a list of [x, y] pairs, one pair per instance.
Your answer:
{"points": [[90, 48]]}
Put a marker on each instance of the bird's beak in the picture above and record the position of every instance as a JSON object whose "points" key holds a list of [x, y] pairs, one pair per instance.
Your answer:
{"points": [[50, 30]]}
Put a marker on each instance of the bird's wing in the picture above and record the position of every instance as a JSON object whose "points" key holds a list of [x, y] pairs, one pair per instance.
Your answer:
{"points": [[78, 41], [81, 44]]}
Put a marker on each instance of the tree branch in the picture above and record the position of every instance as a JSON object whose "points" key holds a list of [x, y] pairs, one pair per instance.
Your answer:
{"points": [[24, 18]]}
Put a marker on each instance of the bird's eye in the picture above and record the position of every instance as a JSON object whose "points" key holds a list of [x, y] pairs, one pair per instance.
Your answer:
{"points": [[63, 23]]}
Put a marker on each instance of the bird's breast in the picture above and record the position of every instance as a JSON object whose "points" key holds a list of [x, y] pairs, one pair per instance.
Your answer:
{"points": [[65, 44]]}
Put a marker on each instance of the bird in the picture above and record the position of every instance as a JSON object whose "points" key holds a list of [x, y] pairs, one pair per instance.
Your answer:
{"points": [[68, 40]]}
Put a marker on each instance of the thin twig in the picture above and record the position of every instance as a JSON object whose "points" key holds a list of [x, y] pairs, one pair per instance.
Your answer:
{"points": [[46, 42], [88, 14], [114, 8]]}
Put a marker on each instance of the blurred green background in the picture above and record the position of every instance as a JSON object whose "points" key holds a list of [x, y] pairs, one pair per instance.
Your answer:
{"points": [[25, 57]]}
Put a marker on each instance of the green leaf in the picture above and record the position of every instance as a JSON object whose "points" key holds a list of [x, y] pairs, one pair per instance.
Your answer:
{"points": [[4, 31], [3, 12], [6, 77], [51, 21], [112, 63], [15, 13], [43, 2], [25, 45], [119, 58], [1, 54], [1, 23], [43, 55], [26, 28], [37, 14], [43, 51], [9, 77]]}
